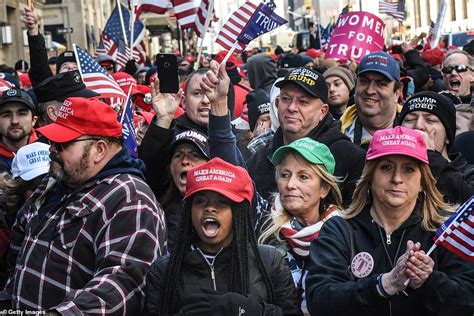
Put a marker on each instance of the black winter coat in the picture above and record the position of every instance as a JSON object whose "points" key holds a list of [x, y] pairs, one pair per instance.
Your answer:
{"points": [[331, 289], [196, 276], [350, 159], [454, 178]]}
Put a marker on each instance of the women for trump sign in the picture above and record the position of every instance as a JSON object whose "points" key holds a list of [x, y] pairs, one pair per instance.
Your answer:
{"points": [[356, 35]]}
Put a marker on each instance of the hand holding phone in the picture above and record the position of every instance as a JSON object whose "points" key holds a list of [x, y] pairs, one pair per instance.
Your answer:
{"points": [[167, 69]]}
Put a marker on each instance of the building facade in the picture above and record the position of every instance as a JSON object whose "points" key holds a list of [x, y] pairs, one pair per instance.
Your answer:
{"points": [[61, 21]]}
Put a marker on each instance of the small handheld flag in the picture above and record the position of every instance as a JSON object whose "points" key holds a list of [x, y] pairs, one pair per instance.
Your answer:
{"points": [[128, 128], [246, 24], [94, 76], [457, 233]]}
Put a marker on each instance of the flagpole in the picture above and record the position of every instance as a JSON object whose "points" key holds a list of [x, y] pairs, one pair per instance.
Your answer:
{"points": [[460, 212], [439, 24], [206, 26], [229, 53], [124, 109], [433, 247], [78, 63], [119, 7], [132, 24]]}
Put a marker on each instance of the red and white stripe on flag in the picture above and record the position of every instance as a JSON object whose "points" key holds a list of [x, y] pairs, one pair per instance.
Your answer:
{"points": [[458, 237], [461, 239], [236, 23], [202, 13], [155, 6], [186, 11], [5, 85]]}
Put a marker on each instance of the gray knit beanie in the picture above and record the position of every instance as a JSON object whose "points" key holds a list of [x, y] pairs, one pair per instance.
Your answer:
{"points": [[342, 73]]}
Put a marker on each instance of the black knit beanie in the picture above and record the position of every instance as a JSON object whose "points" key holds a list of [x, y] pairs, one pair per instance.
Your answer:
{"points": [[258, 103], [434, 103]]}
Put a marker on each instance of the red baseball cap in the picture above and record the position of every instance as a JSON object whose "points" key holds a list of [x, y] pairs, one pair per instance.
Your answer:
{"points": [[313, 53], [398, 141], [81, 116], [125, 81], [143, 100], [222, 177]]}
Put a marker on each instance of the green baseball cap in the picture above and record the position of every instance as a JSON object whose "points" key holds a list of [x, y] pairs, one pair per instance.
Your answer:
{"points": [[313, 151]]}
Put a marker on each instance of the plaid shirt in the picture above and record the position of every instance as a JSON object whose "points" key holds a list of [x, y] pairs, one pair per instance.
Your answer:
{"points": [[90, 254]]}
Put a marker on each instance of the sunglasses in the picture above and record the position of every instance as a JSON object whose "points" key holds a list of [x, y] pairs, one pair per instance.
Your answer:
{"points": [[458, 68], [108, 67], [62, 146]]}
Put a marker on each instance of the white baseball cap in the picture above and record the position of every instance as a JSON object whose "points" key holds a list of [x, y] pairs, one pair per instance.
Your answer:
{"points": [[31, 161]]}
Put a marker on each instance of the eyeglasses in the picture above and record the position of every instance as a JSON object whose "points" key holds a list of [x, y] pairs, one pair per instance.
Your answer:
{"points": [[458, 68], [62, 146]]}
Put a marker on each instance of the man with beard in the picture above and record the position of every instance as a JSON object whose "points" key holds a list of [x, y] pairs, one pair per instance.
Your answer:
{"points": [[84, 241], [17, 118], [458, 75]]}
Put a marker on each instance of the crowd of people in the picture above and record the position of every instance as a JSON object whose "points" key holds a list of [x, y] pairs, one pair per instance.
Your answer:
{"points": [[277, 183]]}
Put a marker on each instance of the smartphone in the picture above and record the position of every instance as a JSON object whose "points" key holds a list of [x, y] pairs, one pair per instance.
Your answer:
{"points": [[167, 69]]}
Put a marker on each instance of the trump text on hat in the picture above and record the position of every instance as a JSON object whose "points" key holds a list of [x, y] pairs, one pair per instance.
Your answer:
{"points": [[422, 103], [303, 75]]}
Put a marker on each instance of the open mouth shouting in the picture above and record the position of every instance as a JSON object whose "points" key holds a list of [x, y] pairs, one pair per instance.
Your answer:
{"points": [[454, 84], [210, 227]]}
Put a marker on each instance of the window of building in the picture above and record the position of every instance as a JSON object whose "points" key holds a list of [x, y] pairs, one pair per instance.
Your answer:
{"points": [[53, 1]]}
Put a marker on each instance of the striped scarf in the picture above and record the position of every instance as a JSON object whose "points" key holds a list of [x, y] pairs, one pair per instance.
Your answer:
{"points": [[299, 237]]}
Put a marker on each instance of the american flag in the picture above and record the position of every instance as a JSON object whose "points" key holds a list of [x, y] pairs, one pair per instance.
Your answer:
{"points": [[248, 23], [394, 9], [232, 28], [95, 77], [155, 6], [185, 11], [201, 15], [326, 35], [457, 233], [5, 85], [113, 43]]}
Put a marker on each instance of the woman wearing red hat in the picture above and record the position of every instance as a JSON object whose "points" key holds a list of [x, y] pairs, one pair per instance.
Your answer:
{"points": [[375, 261], [217, 267]]}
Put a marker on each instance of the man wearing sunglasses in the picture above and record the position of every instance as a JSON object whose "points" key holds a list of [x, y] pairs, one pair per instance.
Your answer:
{"points": [[458, 75], [106, 62], [87, 236]]}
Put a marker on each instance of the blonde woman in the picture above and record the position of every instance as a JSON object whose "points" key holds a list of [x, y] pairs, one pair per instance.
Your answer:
{"points": [[307, 196], [360, 265]]}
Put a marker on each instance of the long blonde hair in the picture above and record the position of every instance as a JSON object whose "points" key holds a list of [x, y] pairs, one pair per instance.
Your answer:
{"points": [[280, 216], [433, 199]]}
